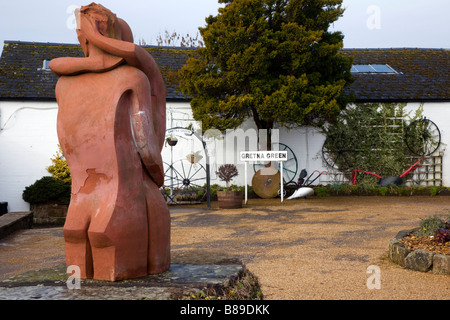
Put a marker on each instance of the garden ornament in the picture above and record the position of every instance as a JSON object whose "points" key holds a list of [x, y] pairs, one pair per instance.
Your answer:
{"points": [[385, 181], [111, 127], [304, 190]]}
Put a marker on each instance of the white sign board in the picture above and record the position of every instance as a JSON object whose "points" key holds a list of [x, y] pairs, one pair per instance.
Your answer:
{"points": [[254, 156], [264, 156]]}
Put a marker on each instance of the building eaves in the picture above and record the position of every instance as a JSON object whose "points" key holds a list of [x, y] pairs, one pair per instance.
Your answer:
{"points": [[22, 76]]}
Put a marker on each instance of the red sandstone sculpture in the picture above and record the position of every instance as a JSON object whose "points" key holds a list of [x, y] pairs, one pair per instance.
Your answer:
{"points": [[111, 127]]}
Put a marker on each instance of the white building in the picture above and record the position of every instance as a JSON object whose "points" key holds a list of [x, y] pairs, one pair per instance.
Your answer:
{"points": [[28, 112]]}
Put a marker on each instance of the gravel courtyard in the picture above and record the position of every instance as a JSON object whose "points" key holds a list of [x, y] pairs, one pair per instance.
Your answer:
{"points": [[318, 248]]}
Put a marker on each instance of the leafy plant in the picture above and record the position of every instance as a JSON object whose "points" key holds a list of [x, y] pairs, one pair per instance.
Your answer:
{"points": [[434, 191], [227, 172], [321, 191], [171, 140], [430, 225], [213, 191], [442, 235], [369, 137], [59, 169], [383, 191], [47, 189]]}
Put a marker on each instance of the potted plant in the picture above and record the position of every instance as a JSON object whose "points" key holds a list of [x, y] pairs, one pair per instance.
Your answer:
{"points": [[229, 199], [194, 157], [171, 140]]}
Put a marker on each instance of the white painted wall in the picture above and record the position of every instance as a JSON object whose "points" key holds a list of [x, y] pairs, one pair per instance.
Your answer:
{"points": [[305, 142], [28, 140]]}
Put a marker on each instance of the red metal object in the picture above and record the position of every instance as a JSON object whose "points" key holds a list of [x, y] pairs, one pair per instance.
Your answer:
{"points": [[411, 169], [355, 171]]}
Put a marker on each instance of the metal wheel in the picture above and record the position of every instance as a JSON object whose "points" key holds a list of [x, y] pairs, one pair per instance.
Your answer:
{"points": [[290, 166], [185, 181], [337, 154], [423, 137]]}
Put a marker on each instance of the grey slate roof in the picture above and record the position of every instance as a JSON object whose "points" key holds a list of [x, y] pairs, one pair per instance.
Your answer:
{"points": [[22, 77], [423, 74]]}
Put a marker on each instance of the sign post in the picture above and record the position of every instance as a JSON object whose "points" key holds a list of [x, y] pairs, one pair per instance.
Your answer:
{"points": [[264, 156]]}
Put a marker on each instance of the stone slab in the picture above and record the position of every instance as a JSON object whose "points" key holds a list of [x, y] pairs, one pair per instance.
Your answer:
{"points": [[13, 221], [398, 252], [441, 264], [51, 284], [419, 260]]}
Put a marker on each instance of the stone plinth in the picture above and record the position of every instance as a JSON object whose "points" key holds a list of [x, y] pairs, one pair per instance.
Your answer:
{"points": [[178, 281]]}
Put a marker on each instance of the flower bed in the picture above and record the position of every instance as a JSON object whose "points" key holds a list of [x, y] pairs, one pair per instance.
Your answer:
{"points": [[424, 248], [427, 243], [419, 259]]}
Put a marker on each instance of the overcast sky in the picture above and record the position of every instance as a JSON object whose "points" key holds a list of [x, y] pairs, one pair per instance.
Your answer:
{"points": [[366, 23]]}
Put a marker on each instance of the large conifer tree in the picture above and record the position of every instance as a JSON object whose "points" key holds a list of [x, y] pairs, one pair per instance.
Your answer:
{"points": [[275, 61]]}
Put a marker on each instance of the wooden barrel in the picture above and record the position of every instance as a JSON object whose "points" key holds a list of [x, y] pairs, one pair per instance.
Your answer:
{"points": [[230, 199]]}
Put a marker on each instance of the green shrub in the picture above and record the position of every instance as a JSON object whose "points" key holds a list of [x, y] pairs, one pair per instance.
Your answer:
{"points": [[383, 191], [213, 191], [434, 191], [60, 169], [321, 191], [430, 225], [47, 189], [419, 190], [404, 191], [339, 189]]}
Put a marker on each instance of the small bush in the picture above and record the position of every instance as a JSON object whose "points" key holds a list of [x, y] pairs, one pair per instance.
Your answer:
{"points": [[47, 189], [227, 172], [383, 191], [430, 225], [59, 169], [213, 191], [442, 235], [321, 191], [434, 191]]}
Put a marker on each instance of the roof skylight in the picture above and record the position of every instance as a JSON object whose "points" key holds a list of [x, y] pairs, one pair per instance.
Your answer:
{"points": [[45, 66], [372, 68]]}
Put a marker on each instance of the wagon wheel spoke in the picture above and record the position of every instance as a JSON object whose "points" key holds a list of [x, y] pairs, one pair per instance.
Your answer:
{"points": [[186, 176], [290, 166], [423, 137]]}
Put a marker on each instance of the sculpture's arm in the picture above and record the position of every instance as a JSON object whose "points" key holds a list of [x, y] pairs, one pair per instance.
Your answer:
{"points": [[134, 55], [115, 47], [73, 66]]}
